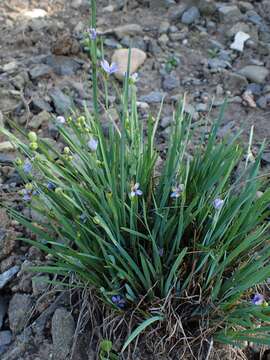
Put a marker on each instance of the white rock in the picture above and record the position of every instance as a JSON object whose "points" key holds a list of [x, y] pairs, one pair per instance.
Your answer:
{"points": [[35, 13], [120, 57], [239, 41], [6, 146]]}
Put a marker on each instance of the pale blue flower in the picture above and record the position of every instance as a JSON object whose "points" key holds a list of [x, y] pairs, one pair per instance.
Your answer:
{"points": [[93, 144], [176, 191], [92, 33], [27, 167], [119, 301], [218, 203], [135, 190], [27, 194], [258, 299], [109, 69]]}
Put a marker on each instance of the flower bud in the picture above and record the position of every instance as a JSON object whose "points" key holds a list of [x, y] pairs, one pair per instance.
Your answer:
{"points": [[33, 146], [29, 186], [32, 136], [18, 162], [96, 220], [66, 150]]}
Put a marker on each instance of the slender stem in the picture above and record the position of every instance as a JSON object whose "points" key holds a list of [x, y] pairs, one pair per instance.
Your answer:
{"points": [[94, 58]]}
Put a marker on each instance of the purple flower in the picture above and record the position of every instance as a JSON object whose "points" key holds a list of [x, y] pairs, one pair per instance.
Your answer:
{"points": [[61, 119], [93, 144], [51, 186], [119, 301], [27, 194], [218, 203], [109, 69], [258, 299], [135, 190], [161, 252], [92, 33], [27, 167], [176, 191]]}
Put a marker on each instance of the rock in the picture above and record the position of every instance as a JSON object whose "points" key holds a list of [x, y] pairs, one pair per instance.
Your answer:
{"points": [[35, 13], [239, 41], [164, 27], [190, 110], [166, 133], [126, 30], [266, 157], [112, 43], [120, 57], [201, 107], [9, 100], [249, 99], [245, 6], [264, 102], [6, 276], [249, 29], [207, 7], [142, 105], [18, 312], [163, 39], [63, 328], [62, 102], [10, 67], [177, 11], [39, 104], [153, 97], [40, 284], [40, 70], [216, 64], [137, 42], [229, 13], [255, 89], [190, 15], [254, 73], [165, 122], [75, 4], [6, 146], [170, 82], [39, 119], [234, 82], [254, 17], [5, 337], [20, 80], [63, 65], [66, 45]]}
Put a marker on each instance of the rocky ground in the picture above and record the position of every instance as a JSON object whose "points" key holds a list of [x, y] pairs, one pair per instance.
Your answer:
{"points": [[207, 50]]}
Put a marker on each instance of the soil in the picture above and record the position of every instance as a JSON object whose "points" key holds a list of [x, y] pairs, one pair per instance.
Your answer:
{"points": [[41, 52]]}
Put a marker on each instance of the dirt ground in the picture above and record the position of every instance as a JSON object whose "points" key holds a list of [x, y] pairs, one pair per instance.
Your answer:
{"points": [[43, 63]]}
